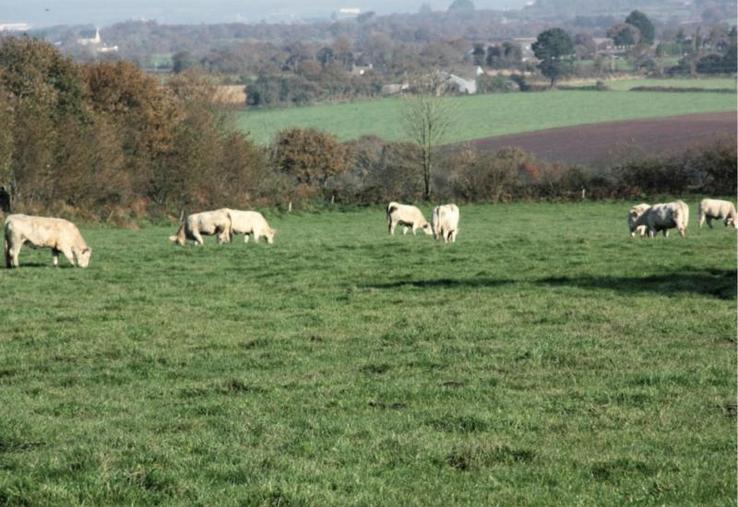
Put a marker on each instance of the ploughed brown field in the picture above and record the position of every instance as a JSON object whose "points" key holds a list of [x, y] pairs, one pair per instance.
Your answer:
{"points": [[605, 142]]}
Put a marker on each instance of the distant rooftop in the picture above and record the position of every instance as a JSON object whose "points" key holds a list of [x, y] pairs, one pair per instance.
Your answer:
{"points": [[14, 27]]}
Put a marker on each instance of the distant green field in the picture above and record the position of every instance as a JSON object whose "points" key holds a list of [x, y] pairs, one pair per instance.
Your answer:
{"points": [[544, 359], [481, 116]]}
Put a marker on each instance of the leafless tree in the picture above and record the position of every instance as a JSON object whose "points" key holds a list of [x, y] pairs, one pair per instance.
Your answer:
{"points": [[428, 117]]}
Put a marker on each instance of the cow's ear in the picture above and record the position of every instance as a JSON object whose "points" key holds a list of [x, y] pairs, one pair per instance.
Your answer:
{"points": [[85, 250]]}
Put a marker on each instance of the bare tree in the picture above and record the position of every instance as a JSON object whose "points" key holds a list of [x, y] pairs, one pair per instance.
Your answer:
{"points": [[427, 119]]}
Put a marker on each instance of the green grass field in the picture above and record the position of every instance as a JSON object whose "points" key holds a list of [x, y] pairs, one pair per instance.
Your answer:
{"points": [[481, 116], [544, 359]]}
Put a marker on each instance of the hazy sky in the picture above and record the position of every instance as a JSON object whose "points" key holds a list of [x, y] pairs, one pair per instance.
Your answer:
{"points": [[40, 13]]}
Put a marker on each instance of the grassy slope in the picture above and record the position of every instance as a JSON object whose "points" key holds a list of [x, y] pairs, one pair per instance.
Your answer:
{"points": [[486, 115], [543, 359]]}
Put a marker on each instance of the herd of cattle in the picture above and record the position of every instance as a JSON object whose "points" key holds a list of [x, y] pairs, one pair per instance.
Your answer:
{"points": [[654, 218], [62, 236]]}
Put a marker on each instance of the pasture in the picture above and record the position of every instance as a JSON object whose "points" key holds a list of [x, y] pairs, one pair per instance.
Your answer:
{"points": [[480, 116], [546, 358]]}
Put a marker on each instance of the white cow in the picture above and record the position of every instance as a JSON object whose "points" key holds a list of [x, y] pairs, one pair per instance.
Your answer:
{"points": [[446, 222], [719, 210], [62, 236], [251, 222], [407, 216], [208, 223], [665, 216], [635, 212]]}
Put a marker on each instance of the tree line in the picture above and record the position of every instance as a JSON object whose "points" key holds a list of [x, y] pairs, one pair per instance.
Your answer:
{"points": [[105, 141], [286, 64]]}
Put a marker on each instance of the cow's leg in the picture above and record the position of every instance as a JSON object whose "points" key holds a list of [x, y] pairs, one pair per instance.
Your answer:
{"points": [[666, 233], [709, 222], [8, 257], [69, 255], [452, 236], [404, 229], [414, 229], [246, 238], [391, 226], [14, 254], [11, 256], [257, 236], [683, 232], [198, 239], [55, 257], [651, 233]]}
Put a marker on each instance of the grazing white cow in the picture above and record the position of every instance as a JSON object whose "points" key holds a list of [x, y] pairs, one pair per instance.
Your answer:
{"points": [[446, 222], [251, 222], [62, 236], [719, 210], [635, 212], [208, 223], [665, 216], [407, 216]]}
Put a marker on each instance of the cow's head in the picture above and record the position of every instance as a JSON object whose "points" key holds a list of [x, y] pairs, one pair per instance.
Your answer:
{"points": [[428, 229], [633, 215], [83, 257], [179, 238], [270, 233]]}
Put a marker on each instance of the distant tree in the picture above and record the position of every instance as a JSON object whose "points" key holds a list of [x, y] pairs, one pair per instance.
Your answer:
{"points": [[710, 64], [478, 54], [461, 6], [644, 26], [182, 60], [308, 155], [325, 56], [6, 149], [427, 120], [507, 55], [364, 17], [425, 8], [624, 35], [730, 59], [555, 49], [585, 46]]}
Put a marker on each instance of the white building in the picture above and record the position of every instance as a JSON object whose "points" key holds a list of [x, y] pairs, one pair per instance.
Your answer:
{"points": [[91, 41], [14, 27]]}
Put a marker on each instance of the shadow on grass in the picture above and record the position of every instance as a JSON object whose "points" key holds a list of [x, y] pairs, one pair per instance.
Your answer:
{"points": [[718, 283], [38, 264], [441, 283]]}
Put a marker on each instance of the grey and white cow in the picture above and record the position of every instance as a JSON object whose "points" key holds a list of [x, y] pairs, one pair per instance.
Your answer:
{"points": [[665, 216]]}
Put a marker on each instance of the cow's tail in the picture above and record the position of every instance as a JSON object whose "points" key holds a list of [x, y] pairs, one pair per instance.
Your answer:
{"points": [[391, 207], [229, 225], [682, 217]]}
